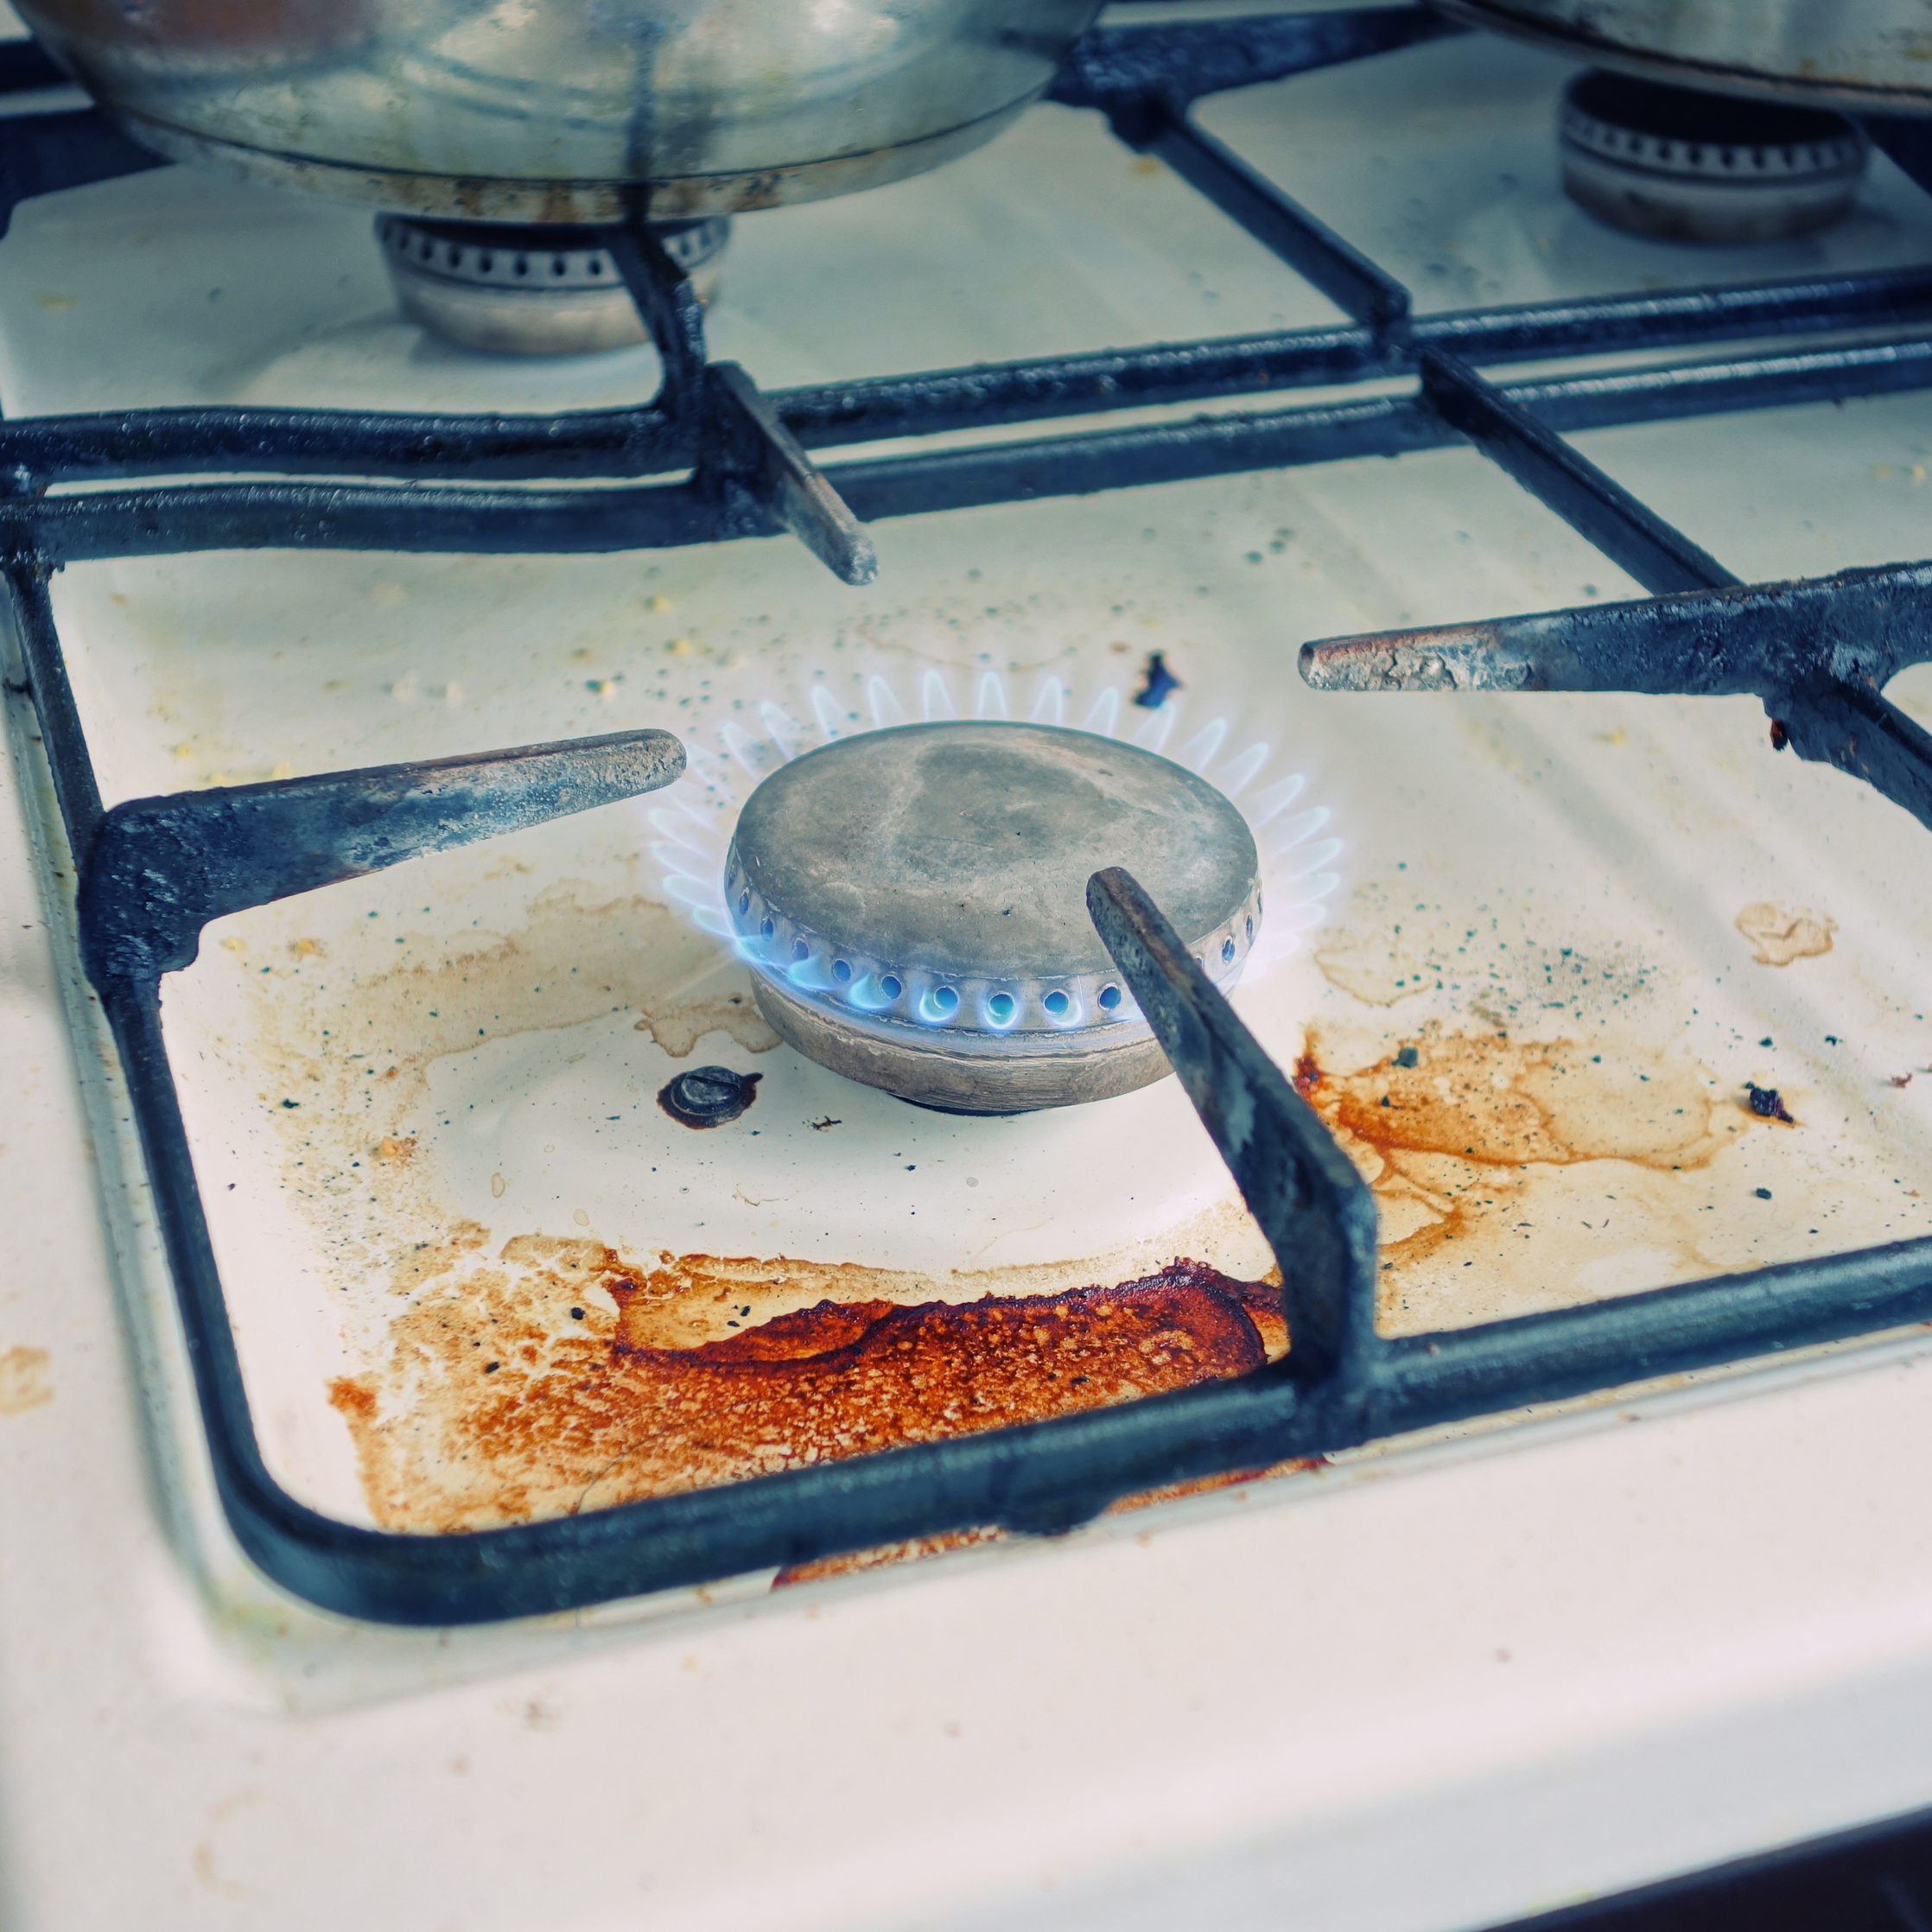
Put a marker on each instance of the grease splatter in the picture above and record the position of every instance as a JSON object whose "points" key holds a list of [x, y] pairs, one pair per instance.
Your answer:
{"points": [[1778, 934], [23, 1383], [497, 1404], [1489, 1153]]}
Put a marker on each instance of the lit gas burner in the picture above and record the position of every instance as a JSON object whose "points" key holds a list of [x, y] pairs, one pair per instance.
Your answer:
{"points": [[1709, 168], [915, 902], [532, 290]]}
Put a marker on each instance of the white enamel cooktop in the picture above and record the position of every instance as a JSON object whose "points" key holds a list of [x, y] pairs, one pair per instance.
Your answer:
{"points": [[1430, 1687]]}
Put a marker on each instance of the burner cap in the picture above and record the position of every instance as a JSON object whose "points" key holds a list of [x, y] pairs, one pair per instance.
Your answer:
{"points": [[532, 290], [1709, 167], [915, 902]]}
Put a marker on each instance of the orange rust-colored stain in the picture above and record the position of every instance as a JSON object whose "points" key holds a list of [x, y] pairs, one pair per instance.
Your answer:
{"points": [[500, 1408], [1486, 1098], [1452, 1131]]}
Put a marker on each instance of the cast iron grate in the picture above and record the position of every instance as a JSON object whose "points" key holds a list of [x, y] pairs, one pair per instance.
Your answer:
{"points": [[154, 871]]}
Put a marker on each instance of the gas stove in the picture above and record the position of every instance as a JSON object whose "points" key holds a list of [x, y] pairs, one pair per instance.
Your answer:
{"points": [[1558, 986]]}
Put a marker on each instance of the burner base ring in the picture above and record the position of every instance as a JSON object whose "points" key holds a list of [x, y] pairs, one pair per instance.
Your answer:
{"points": [[1012, 1077], [1703, 211]]}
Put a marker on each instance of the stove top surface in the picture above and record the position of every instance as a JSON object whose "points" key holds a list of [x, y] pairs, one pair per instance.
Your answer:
{"points": [[1538, 956]]}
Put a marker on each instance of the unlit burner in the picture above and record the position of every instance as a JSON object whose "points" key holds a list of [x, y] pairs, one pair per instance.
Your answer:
{"points": [[1709, 167], [915, 902], [532, 290]]}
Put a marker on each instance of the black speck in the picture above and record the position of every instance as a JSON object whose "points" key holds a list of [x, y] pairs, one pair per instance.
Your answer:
{"points": [[709, 1095], [490, 1368], [1161, 684], [576, 1314]]}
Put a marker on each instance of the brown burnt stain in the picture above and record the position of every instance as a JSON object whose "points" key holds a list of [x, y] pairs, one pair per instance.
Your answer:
{"points": [[1780, 934], [1465, 1138], [684, 1301], [485, 1383], [499, 1406]]}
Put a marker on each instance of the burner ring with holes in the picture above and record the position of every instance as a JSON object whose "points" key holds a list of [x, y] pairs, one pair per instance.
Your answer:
{"points": [[533, 289], [1669, 161], [914, 902]]}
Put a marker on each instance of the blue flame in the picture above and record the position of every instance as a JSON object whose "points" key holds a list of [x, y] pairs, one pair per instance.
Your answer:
{"points": [[692, 820], [866, 994], [937, 1006]]}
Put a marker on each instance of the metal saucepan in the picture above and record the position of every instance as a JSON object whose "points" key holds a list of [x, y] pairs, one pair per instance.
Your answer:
{"points": [[562, 111], [1869, 56]]}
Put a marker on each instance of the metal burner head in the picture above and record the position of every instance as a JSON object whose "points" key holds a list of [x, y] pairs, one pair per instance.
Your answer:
{"points": [[532, 290], [915, 902], [1711, 168]]}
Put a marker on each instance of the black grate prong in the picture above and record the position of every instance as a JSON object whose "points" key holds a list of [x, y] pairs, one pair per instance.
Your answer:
{"points": [[159, 869], [1317, 1213], [752, 459], [1818, 653], [668, 305], [1114, 68], [1770, 639], [43, 154], [1852, 727], [1314, 249], [752, 471], [1628, 532]]}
